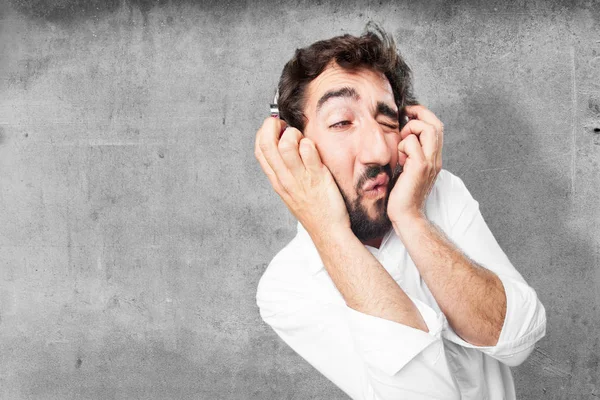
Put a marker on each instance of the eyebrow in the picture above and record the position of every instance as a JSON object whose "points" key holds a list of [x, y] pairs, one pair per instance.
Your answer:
{"points": [[347, 92], [384, 109]]}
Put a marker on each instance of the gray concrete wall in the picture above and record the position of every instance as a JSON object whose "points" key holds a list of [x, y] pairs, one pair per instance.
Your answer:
{"points": [[135, 222]]}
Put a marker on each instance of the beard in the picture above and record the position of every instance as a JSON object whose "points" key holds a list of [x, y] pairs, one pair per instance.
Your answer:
{"points": [[363, 226]]}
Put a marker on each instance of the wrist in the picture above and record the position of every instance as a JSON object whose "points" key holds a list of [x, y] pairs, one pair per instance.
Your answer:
{"points": [[409, 221], [326, 235]]}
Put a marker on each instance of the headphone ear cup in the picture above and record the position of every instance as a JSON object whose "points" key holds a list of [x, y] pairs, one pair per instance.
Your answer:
{"points": [[273, 106]]}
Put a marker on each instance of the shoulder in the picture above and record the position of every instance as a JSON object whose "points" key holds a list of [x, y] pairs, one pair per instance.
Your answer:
{"points": [[295, 260], [447, 184], [289, 273], [448, 199]]}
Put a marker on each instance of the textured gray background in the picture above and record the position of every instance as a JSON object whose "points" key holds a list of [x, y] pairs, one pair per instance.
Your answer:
{"points": [[135, 222]]}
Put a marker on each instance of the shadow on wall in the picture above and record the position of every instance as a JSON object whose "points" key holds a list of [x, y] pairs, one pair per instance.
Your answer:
{"points": [[533, 220]]}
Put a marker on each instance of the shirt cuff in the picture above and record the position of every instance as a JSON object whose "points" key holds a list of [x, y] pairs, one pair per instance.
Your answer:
{"points": [[524, 324], [388, 345]]}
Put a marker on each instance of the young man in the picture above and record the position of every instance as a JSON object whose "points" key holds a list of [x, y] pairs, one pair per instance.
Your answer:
{"points": [[394, 287]]}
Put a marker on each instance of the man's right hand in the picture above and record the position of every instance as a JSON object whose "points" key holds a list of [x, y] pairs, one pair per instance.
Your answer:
{"points": [[294, 168]]}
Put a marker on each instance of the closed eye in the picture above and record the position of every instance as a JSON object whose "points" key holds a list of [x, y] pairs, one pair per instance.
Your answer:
{"points": [[340, 124], [391, 126]]}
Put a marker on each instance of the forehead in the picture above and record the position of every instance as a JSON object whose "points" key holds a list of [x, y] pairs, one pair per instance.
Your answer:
{"points": [[366, 82]]}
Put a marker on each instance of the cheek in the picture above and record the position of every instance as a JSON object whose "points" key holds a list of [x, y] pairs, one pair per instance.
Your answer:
{"points": [[340, 160]]}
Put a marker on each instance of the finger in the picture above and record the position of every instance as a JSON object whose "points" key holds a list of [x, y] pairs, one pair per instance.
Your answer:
{"points": [[402, 157], [414, 127], [276, 124], [270, 127], [270, 174], [289, 150], [411, 148], [421, 113], [310, 156], [266, 144], [426, 133], [429, 142]]}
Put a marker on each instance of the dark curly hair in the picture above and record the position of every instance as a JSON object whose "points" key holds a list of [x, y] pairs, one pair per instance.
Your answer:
{"points": [[374, 50]]}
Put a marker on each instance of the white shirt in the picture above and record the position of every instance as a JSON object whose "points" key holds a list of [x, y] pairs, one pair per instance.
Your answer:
{"points": [[374, 358]]}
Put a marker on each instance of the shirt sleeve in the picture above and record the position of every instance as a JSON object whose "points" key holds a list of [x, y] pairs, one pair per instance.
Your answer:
{"points": [[525, 320], [366, 356]]}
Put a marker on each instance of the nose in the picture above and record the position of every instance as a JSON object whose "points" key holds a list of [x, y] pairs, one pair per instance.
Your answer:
{"points": [[374, 148]]}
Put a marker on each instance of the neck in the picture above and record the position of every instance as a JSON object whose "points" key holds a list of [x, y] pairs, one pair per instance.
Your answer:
{"points": [[373, 242]]}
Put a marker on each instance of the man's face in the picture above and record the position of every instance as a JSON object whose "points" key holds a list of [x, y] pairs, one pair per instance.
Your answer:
{"points": [[353, 120]]}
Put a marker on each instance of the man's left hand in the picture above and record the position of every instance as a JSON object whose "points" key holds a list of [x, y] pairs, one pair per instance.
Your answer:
{"points": [[420, 155]]}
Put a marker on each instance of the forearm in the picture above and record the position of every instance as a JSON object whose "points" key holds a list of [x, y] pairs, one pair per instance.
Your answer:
{"points": [[362, 281], [471, 297]]}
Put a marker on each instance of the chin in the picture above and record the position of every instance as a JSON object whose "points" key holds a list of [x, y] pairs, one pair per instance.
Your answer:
{"points": [[377, 209], [370, 221], [368, 216]]}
